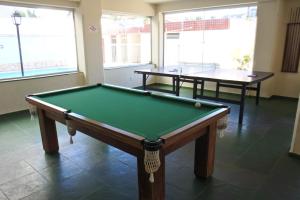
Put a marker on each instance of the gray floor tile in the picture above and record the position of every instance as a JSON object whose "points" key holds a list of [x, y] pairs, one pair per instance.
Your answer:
{"points": [[23, 186], [239, 177], [263, 155], [2, 196], [44, 194], [175, 193], [108, 193], [76, 187], [43, 161], [184, 179], [61, 171], [13, 170], [225, 191]]}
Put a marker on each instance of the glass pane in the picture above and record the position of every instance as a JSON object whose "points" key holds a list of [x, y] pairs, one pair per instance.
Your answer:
{"points": [[47, 40], [126, 40], [9, 53], [183, 38], [211, 38]]}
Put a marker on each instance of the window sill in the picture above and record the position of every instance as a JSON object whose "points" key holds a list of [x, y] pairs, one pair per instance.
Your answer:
{"points": [[38, 76], [127, 66]]}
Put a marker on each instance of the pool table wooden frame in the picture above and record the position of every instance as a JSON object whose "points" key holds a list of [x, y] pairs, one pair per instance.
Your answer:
{"points": [[203, 131]]}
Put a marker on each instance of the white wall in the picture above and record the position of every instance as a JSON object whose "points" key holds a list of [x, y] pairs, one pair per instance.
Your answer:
{"points": [[90, 12], [292, 83], [137, 7], [266, 41], [125, 76], [286, 84], [13, 92]]}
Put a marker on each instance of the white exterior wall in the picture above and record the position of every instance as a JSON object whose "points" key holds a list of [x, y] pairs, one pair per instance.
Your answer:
{"points": [[125, 76]]}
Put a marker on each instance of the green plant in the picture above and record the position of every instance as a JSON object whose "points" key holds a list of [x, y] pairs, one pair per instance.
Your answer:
{"points": [[243, 62]]}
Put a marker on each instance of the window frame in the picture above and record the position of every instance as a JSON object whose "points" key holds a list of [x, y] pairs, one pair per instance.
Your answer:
{"points": [[127, 65], [37, 6]]}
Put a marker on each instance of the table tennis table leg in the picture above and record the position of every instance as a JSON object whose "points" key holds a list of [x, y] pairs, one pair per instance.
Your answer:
{"points": [[258, 92], [144, 81], [202, 88], [217, 89], [195, 84], [177, 79], [242, 103], [173, 84]]}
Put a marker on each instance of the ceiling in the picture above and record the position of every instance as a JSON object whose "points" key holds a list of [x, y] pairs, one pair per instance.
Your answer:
{"points": [[149, 1], [160, 1]]}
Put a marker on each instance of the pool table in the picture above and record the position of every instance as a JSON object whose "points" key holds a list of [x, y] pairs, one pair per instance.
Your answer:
{"points": [[138, 122]]}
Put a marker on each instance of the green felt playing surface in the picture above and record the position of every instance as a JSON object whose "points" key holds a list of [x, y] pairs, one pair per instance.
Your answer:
{"points": [[138, 113]]}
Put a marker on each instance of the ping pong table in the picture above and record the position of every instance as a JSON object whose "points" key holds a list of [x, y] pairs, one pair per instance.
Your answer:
{"points": [[224, 78]]}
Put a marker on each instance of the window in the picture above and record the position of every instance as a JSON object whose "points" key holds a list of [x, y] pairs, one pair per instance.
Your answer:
{"points": [[126, 40], [221, 37], [47, 42]]}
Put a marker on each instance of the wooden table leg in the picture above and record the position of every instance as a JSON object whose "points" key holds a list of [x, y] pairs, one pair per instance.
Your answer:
{"points": [[205, 152], [147, 190], [48, 132]]}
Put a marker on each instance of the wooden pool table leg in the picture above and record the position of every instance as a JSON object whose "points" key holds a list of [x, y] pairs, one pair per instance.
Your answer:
{"points": [[48, 132], [205, 153], [147, 190]]}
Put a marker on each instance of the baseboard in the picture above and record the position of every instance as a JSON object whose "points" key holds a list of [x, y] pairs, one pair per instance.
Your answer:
{"points": [[14, 112], [294, 155], [283, 97]]}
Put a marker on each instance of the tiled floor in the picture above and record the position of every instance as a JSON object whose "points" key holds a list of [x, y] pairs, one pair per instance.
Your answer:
{"points": [[252, 162]]}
